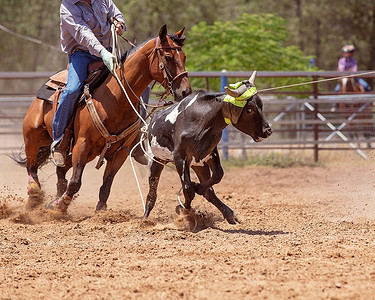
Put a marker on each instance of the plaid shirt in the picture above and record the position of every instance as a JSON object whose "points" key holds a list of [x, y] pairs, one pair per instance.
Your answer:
{"points": [[345, 64], [85, 27]]}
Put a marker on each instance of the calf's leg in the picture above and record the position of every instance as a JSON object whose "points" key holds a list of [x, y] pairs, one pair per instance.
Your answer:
{"points": [[203, 174], [153, 180], [217, 174], [183, 168]]}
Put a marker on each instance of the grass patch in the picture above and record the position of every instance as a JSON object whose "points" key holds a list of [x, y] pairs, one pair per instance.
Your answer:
{"points": [[272, 159]]}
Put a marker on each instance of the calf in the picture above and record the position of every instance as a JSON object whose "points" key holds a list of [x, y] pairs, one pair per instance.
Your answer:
{"points": [[188, 132]]}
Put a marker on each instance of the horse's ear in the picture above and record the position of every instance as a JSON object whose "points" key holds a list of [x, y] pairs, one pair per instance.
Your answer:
{"points": [[163, 32], [180, 33]]}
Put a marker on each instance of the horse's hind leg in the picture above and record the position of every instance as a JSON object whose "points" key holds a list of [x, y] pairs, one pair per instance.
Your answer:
{"points": [[203, 174], [37, 141], [155, 171], [36, 156]]}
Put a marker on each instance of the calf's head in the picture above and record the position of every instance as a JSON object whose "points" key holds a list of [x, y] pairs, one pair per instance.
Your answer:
{"points": [[243, 108]]}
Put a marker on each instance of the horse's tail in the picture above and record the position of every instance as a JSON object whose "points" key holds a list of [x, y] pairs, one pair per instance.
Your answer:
{"points": [[42, 157]]}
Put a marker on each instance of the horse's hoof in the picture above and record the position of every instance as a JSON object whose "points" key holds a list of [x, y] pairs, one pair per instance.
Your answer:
{"points": [[60, 204], [101, 206], [36, 196]]}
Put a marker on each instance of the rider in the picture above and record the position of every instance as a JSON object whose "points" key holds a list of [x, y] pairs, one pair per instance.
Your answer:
{"points": [[85, 37], [349, 63]]}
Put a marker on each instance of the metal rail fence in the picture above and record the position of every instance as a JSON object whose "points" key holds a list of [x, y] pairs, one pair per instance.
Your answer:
{"points": [[302, 120]]}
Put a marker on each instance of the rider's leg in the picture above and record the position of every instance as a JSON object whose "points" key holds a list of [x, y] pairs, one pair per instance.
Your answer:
{"points": [[365, 85], [337, 88], [77, 73]]}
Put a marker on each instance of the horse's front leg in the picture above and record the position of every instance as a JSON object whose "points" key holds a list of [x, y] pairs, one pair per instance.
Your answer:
{"points": [[183, 168], [114, 163], [62, 182]]}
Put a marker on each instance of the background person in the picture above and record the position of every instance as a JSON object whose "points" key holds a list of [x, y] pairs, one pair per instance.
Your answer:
{"points": [[349, 63]]}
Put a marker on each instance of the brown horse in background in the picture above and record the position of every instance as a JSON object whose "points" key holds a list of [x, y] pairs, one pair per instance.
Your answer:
{"points": [[160, 59], [350, 85]]}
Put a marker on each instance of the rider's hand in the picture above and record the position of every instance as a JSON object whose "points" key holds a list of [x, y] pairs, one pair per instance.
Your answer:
{"points": [[109, 59], [120, 27]]}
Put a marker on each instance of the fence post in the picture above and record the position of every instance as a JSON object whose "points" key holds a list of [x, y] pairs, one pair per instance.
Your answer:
{"points": [[316, 126], [224, 137]]}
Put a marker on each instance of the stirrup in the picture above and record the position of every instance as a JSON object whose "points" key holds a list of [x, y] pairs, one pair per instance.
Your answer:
{"points": [[58, 158]]}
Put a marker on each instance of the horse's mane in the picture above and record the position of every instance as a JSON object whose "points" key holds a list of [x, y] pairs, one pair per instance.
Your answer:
{"points": [[178, 40]]}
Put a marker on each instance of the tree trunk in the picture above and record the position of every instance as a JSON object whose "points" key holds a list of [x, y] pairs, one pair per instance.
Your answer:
{"points": [[300, 31]]}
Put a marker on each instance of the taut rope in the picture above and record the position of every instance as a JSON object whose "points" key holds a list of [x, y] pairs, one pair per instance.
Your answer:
{"points": [[315, 81]]}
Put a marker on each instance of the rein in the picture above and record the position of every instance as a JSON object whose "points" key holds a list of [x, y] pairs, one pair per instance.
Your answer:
{"points": [[168, 78]]}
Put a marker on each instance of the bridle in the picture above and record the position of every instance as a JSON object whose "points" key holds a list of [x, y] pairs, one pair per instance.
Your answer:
{"points": [[168, 77]]}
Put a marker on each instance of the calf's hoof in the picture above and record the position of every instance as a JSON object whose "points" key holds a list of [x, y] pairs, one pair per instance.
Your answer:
{"points": [[231, 220], [101, 206], [181, 210], [231, 217]]}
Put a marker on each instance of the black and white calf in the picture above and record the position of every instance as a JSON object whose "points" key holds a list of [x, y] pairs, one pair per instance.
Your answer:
{"points": [[188, 132]]}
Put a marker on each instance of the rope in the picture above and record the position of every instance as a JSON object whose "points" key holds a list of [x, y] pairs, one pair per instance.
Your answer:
{"points": [[314, 81], [30, 39]]}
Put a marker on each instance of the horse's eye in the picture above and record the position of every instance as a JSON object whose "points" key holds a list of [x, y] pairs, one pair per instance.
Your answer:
{"points": [[168, 58], [248, 110]]}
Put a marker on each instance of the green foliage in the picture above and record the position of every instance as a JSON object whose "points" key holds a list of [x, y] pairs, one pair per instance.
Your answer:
{"points": [[36, 19], [317, 27], [249, 42]]}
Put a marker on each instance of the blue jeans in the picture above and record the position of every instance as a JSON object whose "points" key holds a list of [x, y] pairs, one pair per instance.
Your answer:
{"points": [[365, 85], [78, 62]]}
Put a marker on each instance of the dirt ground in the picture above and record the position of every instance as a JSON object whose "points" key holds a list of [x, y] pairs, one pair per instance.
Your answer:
{"points": [[305, 233]]}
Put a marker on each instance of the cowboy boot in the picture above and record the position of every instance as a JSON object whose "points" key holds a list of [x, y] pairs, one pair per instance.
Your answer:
{"points": [[61, 149]]}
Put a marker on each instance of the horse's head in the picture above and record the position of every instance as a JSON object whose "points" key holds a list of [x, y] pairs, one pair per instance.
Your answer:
{"points": [[244, 109], [168, 63]]}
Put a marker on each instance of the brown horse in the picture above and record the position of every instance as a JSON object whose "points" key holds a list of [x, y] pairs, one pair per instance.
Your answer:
{"points": [[348, 110], [160, 59]]}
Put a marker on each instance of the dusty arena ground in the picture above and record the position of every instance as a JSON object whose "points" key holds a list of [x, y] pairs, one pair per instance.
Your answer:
{"points": [[305, 233]]}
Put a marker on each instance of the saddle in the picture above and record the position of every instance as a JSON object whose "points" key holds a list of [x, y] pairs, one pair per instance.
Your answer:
{"points": [[52, 88]]}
